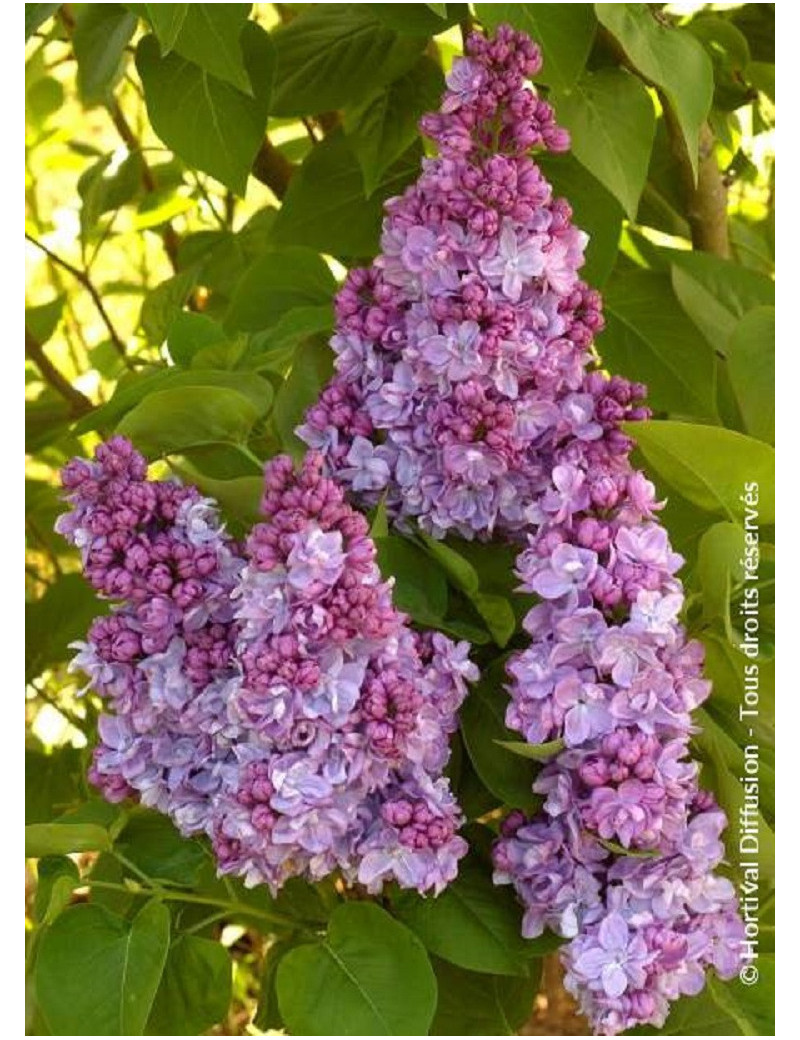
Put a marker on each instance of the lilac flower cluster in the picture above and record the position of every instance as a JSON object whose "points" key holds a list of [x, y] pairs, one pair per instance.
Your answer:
{"points": [[268, 695], [461, 351], [642, 931], [467, 396]]}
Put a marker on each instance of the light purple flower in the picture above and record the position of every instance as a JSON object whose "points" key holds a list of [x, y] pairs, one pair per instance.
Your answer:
{"points": [[515, 262]]}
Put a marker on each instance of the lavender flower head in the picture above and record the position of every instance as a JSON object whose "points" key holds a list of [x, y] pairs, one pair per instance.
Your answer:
{"points": [[461, 350], [467, 396], [268, 696]]}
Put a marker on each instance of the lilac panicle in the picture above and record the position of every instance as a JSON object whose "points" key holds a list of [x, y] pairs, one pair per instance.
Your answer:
{"points": [[268, 695], [349, 707], [467, 396]]}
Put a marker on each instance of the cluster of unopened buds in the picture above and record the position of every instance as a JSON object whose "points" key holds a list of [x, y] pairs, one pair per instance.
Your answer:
{"points": [[270, 695]]}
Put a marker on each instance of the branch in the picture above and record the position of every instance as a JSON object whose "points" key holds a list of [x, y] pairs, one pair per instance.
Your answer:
{"points": [[79, 404], [272, 168], [466, 27], [84, 280], [168, 235], [706, 202]]}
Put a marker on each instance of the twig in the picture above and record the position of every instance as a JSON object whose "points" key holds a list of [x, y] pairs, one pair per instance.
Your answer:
{"points": [[706, 202], [309, 129], [74, 720], [230, 209], [168, 234], [85, 281], [273, 168], [159, 892], [79, 403], [221, 220], [466, 25]]}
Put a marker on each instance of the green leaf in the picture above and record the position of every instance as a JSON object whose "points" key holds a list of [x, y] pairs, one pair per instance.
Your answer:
{"points": [[150, 841], [62, 615], [97, 974], [710, 466], [648, 338], [472, 923], [716, 293], [760, 73], [621, 850], [611, 121], [727, 48], [102, 191], [102, 32], [495, 610], [418, 19], [537, 752], [195, 988], [57, 838], [108, 868], [160, 206], [166, 20], [209, 36], [325, 207], [498, 614], [204, 120], [163, 304], [383, 126], [751, 368], [312, 367], [44, 95], [268, 1015], [36, 15], [509, 777], [43, 320], [420, 590], [189, 332], [54, 782], [379, 525], [669, 57], [473, 1004], [719, 568], [277, 282], [458, 569], [564, 32], [739, 681], [596, 211], [56, 879], [369, 976], [238, 497], [132, 391], [169, 421], [273, 348], [723, 767], [334, 54]]}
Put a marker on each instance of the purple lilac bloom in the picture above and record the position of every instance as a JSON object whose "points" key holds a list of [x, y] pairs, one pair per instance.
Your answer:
{"points": [[467, 397], [461, 350], [270, 696]]}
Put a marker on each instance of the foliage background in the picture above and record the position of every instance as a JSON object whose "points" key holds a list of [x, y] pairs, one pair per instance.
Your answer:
{"points": [[198, 178]]}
